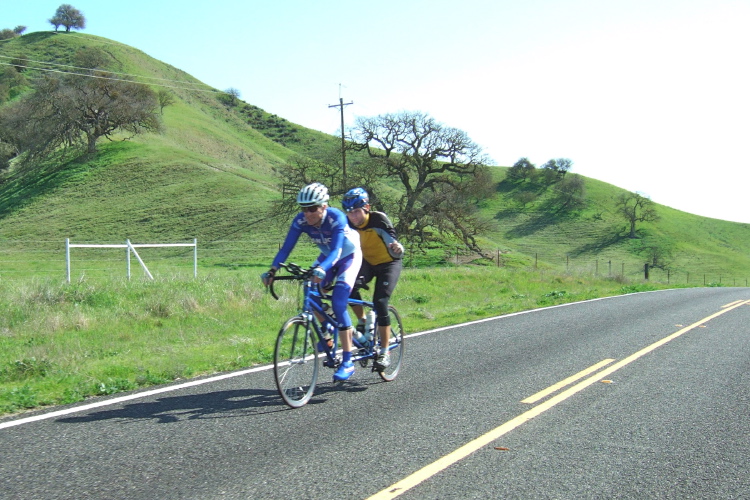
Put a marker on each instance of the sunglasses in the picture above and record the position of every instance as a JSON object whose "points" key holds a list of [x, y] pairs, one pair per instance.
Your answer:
{"points": [[311, 209]]}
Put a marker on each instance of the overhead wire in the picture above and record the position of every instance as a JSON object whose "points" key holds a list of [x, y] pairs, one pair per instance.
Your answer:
{"points": [[101, 77], [95, 69]]}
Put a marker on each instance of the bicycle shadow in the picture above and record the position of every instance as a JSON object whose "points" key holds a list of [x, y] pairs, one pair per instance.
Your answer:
{"points": [[220, 404], [211, 405]]}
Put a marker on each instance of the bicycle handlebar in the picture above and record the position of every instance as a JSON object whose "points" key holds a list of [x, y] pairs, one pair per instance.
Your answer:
{"points": [[297, 273]]}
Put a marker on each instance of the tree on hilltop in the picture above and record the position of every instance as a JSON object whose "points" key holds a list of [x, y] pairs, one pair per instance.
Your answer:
{"points": [[68, 16], [522, 170], [560, 166]]}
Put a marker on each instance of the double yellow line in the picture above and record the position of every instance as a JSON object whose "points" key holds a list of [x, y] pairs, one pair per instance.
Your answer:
{"points": [[446, 461]]}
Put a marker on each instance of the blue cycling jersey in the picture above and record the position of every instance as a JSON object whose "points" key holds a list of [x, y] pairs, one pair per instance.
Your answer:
{"points": [[334, 238], [340, 256]]}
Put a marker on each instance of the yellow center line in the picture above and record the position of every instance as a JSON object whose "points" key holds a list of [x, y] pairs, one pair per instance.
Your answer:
{"points": [[554, 388], [446, 461], [731, 304]]}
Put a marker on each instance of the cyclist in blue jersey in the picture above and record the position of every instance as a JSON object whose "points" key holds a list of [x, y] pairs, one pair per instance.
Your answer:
{"points": [[340, 259]]}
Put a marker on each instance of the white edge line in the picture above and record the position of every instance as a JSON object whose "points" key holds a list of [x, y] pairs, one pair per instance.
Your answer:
{"points": [[130, 397], [528, 311], [208, 380]]}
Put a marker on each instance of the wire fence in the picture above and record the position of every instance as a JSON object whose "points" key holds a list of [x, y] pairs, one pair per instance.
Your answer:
{"points": [[20, 260], [616, 267]]}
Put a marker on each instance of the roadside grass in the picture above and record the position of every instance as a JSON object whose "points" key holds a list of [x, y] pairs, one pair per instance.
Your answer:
{"points": [[62, 343]]}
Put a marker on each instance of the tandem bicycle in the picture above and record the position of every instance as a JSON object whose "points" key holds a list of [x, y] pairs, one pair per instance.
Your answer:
{"points": [[303, 344]]}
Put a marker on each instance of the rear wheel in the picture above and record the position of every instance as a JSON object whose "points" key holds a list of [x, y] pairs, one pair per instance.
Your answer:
{"points": [[395, 346], [295, 362]]}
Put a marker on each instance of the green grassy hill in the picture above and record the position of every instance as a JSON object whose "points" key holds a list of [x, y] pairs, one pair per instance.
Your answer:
{"points": [[688, 245], [209, 176]]}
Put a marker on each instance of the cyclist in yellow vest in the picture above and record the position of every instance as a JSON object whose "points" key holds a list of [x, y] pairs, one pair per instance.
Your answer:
{"points": [[381, 259]]}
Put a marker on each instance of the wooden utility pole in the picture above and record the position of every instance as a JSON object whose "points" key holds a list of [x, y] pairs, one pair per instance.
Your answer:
{"points": [[341, 105]]}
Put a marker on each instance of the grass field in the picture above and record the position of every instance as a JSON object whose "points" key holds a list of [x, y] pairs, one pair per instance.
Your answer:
{"points": [[61, 343]]}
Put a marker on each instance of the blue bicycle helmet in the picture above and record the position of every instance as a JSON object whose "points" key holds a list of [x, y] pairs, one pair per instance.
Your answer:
{"points": [[355, 198]]}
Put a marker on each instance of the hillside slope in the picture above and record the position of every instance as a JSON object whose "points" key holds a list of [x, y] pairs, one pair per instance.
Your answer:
{"points": [[210, 176]]}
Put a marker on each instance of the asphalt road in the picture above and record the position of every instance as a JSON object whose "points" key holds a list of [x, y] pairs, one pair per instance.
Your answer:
{"points": [[662, 412]]}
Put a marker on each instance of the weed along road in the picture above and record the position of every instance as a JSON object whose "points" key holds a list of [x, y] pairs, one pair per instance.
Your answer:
{"points": [[639, 396]]}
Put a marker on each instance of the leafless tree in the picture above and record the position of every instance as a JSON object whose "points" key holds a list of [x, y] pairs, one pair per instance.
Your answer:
{"points": [[77, 111], [327, 169], [441, 170], [635, 207], [231, 96]]}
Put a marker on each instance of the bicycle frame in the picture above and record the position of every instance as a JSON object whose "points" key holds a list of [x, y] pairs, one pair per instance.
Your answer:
{"points": [[298, 348], [311, 312]]}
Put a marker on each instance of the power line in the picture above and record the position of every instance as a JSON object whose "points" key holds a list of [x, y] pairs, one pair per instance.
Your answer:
{"points": [[99, 70], [213, 91]]}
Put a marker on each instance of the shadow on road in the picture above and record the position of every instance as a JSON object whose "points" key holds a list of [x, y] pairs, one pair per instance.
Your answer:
{"points": [[220, 404]]}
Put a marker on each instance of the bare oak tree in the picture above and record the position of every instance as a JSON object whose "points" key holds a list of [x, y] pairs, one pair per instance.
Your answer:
{"points": [[635, 207], [441, 170], [327, 169], [75, 111]]}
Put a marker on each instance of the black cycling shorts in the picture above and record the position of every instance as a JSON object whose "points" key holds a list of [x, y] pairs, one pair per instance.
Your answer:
{"points": [[386, 276]]}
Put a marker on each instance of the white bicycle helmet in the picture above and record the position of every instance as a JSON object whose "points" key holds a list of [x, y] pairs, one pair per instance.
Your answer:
{"points": [[312, 194]]}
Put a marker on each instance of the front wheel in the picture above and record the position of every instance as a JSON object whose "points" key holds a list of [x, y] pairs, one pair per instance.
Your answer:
{"points": [[395, 346], [295, 362]]}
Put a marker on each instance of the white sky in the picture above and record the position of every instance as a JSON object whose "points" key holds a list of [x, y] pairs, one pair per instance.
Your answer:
{"points": [[649, 95]]}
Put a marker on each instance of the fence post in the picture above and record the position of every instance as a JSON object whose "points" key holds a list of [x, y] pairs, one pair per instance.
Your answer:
{"points": [[140, 261], [645, 270], [195, 257], [67, 259], [127, 256]]}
